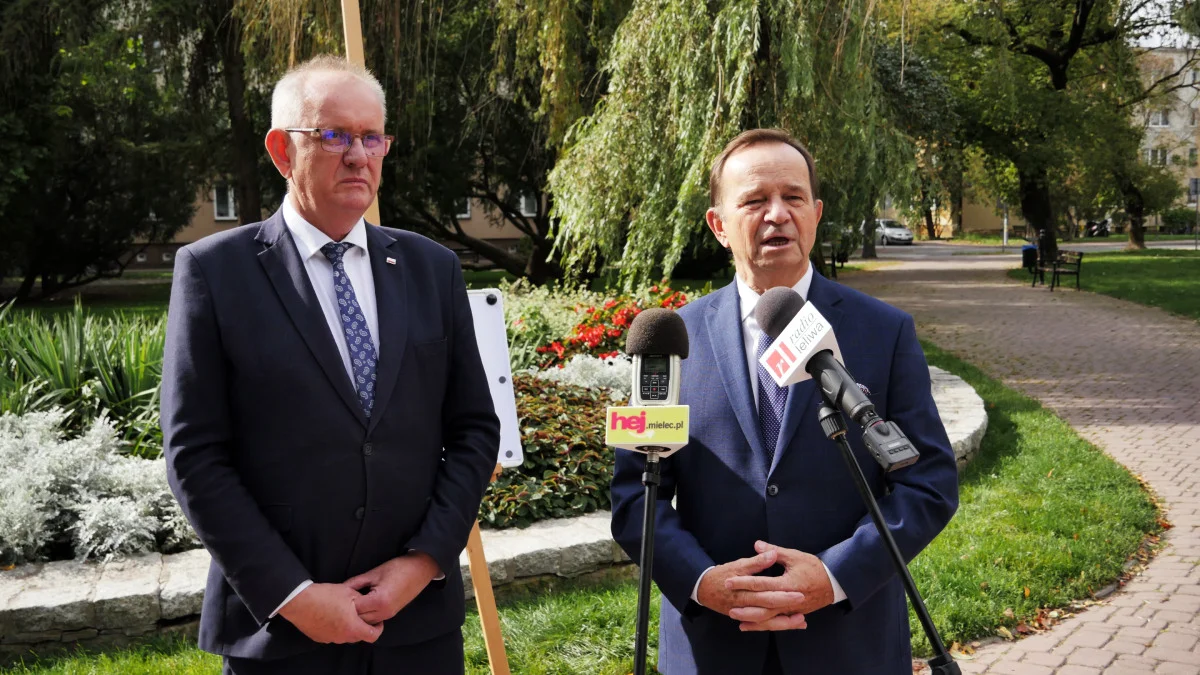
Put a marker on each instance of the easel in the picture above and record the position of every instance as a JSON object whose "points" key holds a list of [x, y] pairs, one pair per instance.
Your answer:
{"points": [[481, 579], [485, 600]]}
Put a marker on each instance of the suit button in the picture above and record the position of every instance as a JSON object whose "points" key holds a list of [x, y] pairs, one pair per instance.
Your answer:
{"points": [[772, 490], [358, 513], [367, 449]]}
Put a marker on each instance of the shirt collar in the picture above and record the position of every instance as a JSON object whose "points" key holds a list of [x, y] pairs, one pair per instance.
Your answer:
{"points": [[749, 299], [309, 239]]}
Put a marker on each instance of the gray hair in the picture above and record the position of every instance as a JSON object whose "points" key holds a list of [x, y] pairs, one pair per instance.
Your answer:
{"points": [[291, 101]]}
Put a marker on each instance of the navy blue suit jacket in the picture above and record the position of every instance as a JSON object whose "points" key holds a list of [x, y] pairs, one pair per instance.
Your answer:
{"points": [[268, 450], [720, 483]]}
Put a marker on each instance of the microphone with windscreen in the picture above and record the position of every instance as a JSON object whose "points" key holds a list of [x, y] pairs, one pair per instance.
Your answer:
{"points": [[803, 346], [657, 341], [654, 424]]}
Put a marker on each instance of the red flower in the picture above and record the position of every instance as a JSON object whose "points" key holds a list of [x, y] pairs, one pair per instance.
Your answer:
{"points": [[610, 304], [614, 333], [654, 288]]}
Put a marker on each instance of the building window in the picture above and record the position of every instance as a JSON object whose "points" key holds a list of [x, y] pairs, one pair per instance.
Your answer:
{"points": [[1160, 118], [1192, 117], [224, 202], [168, 257], [528, 204], [1192, 157], [1195, 77], [1156, 156], [141, 257], [1193, 189], [462, 209]]}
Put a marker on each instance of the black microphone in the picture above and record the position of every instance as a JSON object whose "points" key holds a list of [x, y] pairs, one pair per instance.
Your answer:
{"points": [[779, 313], [657, 341]]}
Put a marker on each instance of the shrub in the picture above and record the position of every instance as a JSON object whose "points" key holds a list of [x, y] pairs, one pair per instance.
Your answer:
{"points": [[536, 316], [1178, 220], [567, 467], [602, 330], [80, 497], [88, 366], [614, 373]]}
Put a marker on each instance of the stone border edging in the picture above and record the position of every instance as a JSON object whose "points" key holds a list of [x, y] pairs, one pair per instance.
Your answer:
{"points": [[95, 604]]}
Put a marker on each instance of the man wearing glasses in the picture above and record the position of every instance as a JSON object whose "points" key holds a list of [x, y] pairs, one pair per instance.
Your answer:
{"points": [[327, 423]]}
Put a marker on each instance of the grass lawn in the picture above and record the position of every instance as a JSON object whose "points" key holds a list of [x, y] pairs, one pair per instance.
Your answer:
{"points": [[1157, 277], [1045, 519]]}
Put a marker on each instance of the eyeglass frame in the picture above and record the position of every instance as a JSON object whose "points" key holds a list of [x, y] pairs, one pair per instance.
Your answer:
{"points": [[319, 132]]}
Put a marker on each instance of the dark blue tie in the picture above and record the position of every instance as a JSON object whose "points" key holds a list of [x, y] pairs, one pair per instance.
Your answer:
{"points": [[771, 400], [354, 327]]}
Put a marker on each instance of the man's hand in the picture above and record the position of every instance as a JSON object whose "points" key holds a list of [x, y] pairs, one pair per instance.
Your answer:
{"points": [[326, 613], [716, 593], [803, 574], [392, 585]]}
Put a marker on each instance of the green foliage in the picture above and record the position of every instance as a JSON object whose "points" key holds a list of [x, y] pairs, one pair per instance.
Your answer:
{"points": [[87, 365], [95, 132], [567, 467], [685, 77], [1178, 220]]}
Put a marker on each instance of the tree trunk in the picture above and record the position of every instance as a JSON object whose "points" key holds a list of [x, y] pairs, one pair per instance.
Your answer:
{"points": [[540, 269], [26, 287], [929, 229], [244, 148], [1035, 205], [1135, 207]]}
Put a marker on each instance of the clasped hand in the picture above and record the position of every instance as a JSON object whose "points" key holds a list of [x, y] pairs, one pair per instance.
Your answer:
{"points": [[343, 613], [768, 603]]}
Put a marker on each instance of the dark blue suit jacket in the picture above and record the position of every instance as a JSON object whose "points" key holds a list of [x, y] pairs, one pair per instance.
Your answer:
{"points": [[720, 483], [271, 456]]}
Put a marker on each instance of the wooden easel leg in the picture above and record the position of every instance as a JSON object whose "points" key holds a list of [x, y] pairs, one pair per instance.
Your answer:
{"points": [[485, 600]]}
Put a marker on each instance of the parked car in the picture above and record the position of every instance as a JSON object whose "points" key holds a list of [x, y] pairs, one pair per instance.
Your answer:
{"points": [[888, 231]]}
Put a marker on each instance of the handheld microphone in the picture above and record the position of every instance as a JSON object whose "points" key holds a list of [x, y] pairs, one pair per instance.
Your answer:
{"points": [[804, 346], [653, 421]]}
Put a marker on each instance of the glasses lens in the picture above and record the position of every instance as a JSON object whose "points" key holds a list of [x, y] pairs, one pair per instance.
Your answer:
{"points": [[334, 140], [375, 144]]}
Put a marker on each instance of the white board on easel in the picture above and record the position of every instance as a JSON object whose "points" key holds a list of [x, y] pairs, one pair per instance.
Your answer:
{"points": [[487, 310]]}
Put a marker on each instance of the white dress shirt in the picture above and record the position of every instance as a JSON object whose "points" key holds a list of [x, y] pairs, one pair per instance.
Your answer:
{"points": [[751, 333], [357, 261]]}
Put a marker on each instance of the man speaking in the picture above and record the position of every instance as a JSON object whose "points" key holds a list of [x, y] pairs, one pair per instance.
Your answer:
{"points": [[768, 562], [328, 426]]}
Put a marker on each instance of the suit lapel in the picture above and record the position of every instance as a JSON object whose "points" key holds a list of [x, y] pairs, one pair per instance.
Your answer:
{"points": [[391, 302], [802, 401], [281, 260], [724, 323]]}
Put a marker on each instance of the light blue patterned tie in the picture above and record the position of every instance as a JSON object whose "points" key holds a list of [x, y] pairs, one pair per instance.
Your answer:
{"points": [[354, 327], [771, 400]]}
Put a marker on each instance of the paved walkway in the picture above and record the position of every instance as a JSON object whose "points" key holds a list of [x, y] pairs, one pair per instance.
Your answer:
{"points": [[1128, 379]]}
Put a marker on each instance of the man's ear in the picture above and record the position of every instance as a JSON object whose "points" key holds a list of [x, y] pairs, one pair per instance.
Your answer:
{"points": [[717, 226], [278, 146]]}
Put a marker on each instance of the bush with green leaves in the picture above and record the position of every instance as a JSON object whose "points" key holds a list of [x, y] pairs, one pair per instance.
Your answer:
{"points": [[539, 315], [567, 467], [88, 366], [81, 496]]}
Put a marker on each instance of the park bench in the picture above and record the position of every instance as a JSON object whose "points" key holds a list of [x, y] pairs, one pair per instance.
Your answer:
{"points": [[1068, 263]]}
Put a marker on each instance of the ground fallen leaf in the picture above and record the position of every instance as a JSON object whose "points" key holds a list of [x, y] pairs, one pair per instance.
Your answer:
{"points": [[1005, 633], [1027, 591], [1008, 612]]}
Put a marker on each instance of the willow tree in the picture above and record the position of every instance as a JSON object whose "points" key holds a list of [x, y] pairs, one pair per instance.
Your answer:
{"points": [[469, 100], [684, 78]]}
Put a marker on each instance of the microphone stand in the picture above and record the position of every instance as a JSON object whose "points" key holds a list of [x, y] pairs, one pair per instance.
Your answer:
{"points": [[650, 479], [835, 428]]}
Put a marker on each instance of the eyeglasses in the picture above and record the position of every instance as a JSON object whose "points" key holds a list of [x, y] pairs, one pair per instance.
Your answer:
{"points": [[332, 140]]}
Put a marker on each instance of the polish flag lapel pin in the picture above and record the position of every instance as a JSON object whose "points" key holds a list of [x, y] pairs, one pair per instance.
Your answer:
{"points": [[390, 261]]}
